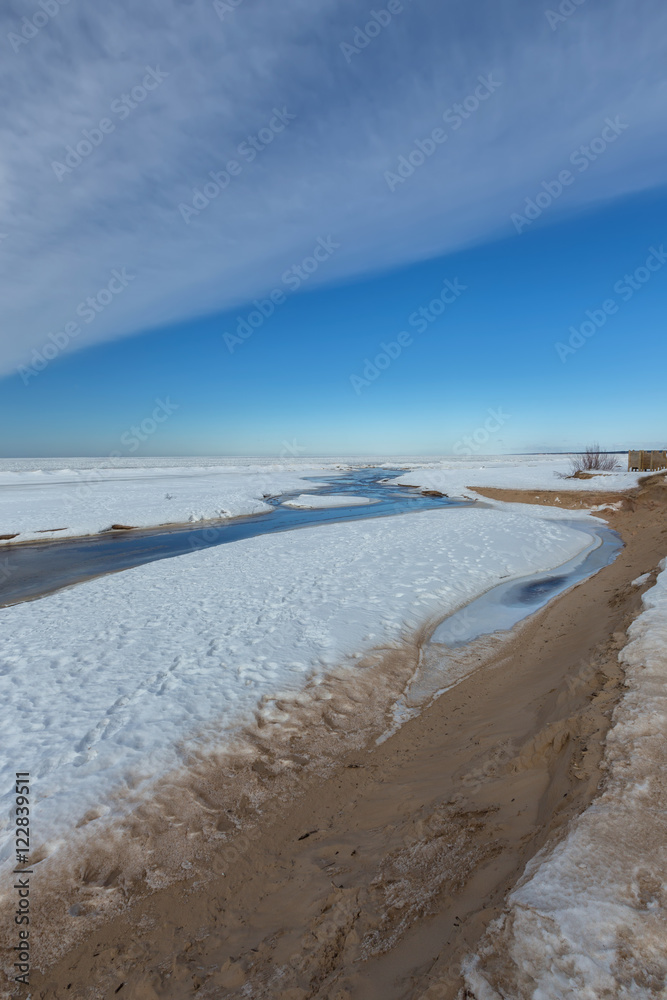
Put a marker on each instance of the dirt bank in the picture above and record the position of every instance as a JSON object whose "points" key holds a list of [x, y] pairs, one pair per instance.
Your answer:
{"points": [[374, 877]]}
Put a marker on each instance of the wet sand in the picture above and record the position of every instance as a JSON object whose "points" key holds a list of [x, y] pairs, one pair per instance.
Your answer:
{"points": [[371, 874]]}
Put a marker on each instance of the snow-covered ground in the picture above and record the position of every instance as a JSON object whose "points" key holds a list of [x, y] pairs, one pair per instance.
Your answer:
{"points": [[70, 502], [307, 502], [538, 473], [101, 684], [589, 919], [55, 498]]}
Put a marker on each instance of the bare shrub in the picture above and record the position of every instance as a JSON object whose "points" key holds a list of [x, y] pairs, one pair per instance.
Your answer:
{"points": [[593, 460]]}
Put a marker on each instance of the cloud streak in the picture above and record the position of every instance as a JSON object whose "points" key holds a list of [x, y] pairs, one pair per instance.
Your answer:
{"points": [[324, 175]]}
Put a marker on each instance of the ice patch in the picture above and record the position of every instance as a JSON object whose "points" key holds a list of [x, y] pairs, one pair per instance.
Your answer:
{"points": [[318, 502]]}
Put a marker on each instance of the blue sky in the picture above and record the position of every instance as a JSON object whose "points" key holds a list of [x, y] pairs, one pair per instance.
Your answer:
{"points": [[217, 156]]}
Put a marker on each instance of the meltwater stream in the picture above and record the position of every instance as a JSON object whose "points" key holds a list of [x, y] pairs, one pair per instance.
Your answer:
{"points": [[35, 569]]}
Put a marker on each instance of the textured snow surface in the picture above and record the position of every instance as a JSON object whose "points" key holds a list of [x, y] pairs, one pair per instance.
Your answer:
{"points": [[100, 683], [589, 919]]}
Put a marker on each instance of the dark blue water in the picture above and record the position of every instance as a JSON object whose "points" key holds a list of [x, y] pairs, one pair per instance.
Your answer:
{"points": [[33, 570], [534, 593]]}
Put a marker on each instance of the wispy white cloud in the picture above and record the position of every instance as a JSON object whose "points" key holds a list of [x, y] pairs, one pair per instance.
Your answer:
{"points": [[325, 173]]}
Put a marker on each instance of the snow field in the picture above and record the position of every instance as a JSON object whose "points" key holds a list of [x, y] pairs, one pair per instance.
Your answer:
{"points": [[101, 685], [539, 474], [40, 505]]}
